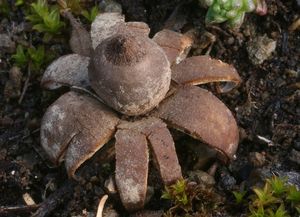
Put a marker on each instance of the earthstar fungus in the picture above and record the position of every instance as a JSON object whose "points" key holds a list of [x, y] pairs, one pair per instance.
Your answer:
{"points": [[133, 85], [131, 75]]}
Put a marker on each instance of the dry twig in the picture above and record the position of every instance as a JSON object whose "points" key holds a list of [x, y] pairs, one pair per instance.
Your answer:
{"points": [[11, 210], [101, 206], [25, 85], [54, 200]]}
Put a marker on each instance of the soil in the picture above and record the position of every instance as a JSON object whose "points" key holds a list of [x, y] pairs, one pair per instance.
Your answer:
{"points": [[266, 107]]}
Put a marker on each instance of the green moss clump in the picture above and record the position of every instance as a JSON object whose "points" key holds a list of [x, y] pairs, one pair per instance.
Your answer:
{"points": [[276, 198]]}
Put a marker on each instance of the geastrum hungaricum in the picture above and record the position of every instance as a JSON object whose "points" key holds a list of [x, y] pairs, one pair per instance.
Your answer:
{"points": [[131, 75]]}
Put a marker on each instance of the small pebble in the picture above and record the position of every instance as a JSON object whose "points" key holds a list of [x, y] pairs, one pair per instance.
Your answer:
{"points": [[6, 44], [110, 212], [294, 156], [260, 49], [258, 176], [200, 155], [28, 199], [274, 35], [201, 177], [94, 179], [257, 159], [13, 86], [227, 182], [3, 153], [292, 73], [33, 124], [6, 121], [295, 25], [244, 172], [150, 193], [293, 177], [110, 185], [110, 6], [148, 213], [230, 40], [297, 145]]}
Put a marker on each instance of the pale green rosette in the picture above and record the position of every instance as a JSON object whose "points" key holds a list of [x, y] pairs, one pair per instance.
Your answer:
{"points": [[232, 11]]}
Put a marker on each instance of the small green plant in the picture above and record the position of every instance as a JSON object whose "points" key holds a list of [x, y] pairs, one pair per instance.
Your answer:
{"points": [[19, 2], [259, 212], [276, 198], [232, 11], [45, 18], [280, 212], [4, 8], [20, 57], [187, 198], [178, 194], [239, 196], [74, 6], [278, 185], [264, 196], [293, 195], [35, 57], [90, 16]]}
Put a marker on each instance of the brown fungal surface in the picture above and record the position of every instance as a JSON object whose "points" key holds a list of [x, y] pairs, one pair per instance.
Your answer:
{"points": [[139, 28], [68, 70], [80, 41], [139, 73], [164, 152], [131, 74], [203, 69], [199, 113], [104, 26], [132, 158], [161, 144], [74, 127], [131, 167], [175, 45]]}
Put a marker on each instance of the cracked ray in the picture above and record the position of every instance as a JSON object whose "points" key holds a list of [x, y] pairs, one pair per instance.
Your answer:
{"points": [[162, 146], [68, 70], [199, 113], [164, 152], [203, 69], [132, 159], [74, 127], [132, 139], [175, 45]]}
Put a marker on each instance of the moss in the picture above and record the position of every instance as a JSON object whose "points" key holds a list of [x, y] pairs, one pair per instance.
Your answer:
{"points": [[276, 198]]}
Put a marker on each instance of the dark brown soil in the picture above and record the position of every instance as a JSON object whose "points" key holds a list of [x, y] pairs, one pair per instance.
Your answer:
{"points": [[265, 105]]}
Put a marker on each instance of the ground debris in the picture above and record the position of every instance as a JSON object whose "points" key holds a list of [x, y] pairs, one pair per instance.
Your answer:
{"points": [[13, 87], [6, 44], [54, 200], [260, 48]]}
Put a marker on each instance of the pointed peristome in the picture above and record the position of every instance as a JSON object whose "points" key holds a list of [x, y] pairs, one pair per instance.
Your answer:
{"points": [[74, 127], [133, 85], [199, 113], [69, 70], [203, 69]]}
